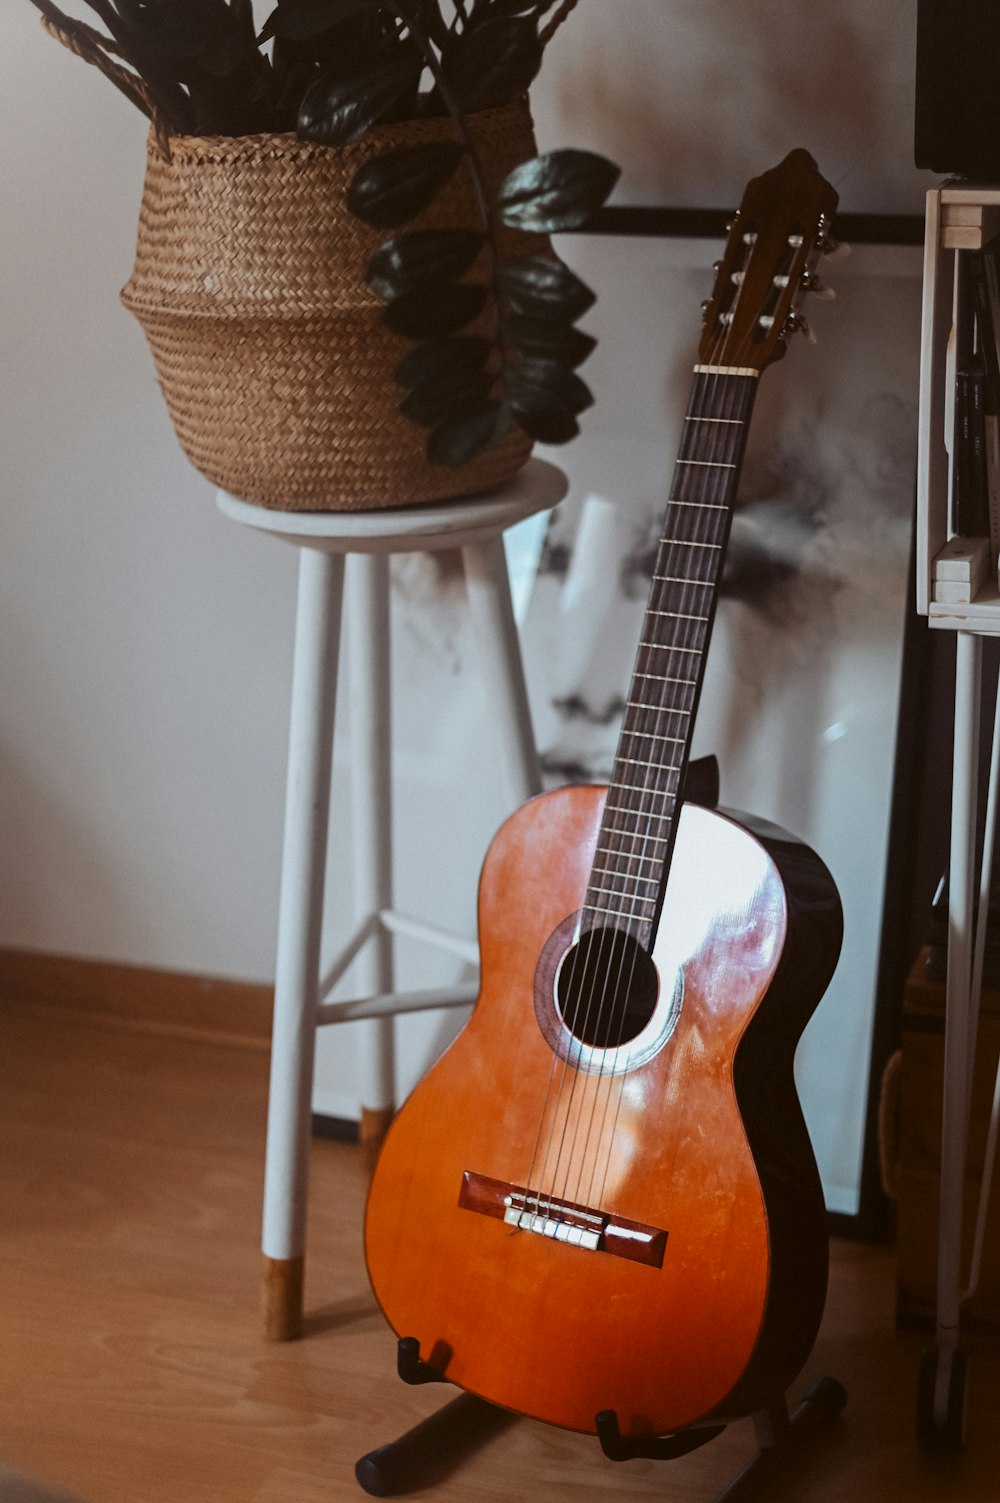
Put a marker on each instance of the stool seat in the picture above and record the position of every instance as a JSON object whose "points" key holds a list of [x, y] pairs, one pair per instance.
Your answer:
{"points": [[446, 524], [346, 555]]}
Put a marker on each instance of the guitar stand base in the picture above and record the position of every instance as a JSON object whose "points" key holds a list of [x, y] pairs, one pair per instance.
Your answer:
{"points": [[439, 1443], [778, 1437]]}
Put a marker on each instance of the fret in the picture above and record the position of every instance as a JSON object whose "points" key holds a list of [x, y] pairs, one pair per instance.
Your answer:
{"points": [[674, 616], [668, 647], [699, 584], [647, 792], [653, 736], [712, 464], [599, 908], [646, 840], [645, 811], [639, 762], [665, 678], [694, 418], [644, 791], [672, 570], [644, 814], [626, 854], [661, 678], [644, 704], [611, 872]]}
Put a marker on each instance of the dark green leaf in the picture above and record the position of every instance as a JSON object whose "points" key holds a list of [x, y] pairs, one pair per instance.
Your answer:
{"points": [[548, 422], [421, 258], [428, 314], [178, 31], [434, 401], [297, 20], [442, 358], [558, 191], [535, 382], [445, 378], [393, 187], [546, 339], [542, 287], [545, 399], [223, 55], [492, 64], [336, 111], [459, 439]]}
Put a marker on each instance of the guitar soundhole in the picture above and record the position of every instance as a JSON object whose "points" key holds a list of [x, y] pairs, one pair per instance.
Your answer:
{"points": [[607, 988]]}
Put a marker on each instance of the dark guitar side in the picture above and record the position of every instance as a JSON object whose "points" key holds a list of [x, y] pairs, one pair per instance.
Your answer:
{"points": [[702, 1139]]}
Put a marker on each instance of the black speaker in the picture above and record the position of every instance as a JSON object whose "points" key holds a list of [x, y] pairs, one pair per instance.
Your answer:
{"points": [[957, 125]]}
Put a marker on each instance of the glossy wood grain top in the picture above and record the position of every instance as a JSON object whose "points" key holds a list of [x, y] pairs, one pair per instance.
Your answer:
{"points": [[552, 1330]]}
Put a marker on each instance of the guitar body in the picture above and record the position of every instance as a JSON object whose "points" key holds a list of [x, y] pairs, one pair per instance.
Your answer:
{"points": [[690, 1131]]}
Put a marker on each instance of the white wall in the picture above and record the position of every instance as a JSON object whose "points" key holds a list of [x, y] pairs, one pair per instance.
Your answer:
{"points": [[145, 643]]}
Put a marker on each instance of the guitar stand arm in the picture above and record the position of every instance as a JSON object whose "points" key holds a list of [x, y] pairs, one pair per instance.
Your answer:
{"points": [[410, 1365], [438, 1444], [619, 1447]]}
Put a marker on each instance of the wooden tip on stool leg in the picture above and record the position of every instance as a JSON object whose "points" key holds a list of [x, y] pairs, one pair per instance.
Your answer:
{"points": [[375, 1123], [281, 1297]]}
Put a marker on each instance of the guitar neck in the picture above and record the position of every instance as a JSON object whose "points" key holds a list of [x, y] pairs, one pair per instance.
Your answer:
{"points": [[638, 830]]}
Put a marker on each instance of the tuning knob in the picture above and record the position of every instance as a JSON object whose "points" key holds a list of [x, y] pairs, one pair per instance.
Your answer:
{"points": [[812, 284], [796, 323]]}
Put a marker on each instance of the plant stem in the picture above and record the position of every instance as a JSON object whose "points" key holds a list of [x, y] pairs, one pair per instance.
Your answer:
{"points": [[560, 16], [478, 182], [455, 111]]}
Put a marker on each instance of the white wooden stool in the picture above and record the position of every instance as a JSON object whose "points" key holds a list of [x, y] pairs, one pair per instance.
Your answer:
{"points": [[364, 542]]}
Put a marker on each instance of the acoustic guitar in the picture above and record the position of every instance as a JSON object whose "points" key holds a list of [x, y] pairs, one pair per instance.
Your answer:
{"points": [[603, 1196]]}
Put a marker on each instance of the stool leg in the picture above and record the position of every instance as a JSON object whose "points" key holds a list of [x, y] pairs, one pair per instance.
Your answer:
{"points": [[503, 672], [371, 785], [300, 916]]}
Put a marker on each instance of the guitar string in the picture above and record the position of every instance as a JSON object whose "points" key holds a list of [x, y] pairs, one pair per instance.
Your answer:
{"points": [[698, 641], [596, 966], [658, 803], [742, 397], [596, 1195], [694, 490], [722, 489], [599, 964], [637, 731], [673, 799]]}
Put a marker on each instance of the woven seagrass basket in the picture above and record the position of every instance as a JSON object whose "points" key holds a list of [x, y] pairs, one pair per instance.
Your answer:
{"points": [[268, 345]]}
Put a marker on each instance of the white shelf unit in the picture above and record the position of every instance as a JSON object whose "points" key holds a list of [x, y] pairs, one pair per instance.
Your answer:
{"points": [[960, 218]]}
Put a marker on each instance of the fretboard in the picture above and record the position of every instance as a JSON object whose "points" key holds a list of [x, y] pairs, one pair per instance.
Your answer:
{"points": [[637, 835]]}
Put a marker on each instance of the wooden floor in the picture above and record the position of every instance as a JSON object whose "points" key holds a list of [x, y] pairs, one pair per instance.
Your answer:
{"points": [[131, 1369]]}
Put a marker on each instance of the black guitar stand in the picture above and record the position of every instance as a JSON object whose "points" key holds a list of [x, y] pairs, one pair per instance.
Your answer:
{"points": [[440, 1442]]}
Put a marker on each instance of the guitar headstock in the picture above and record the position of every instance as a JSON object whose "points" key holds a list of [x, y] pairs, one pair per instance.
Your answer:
{"points": [[774, 242]]}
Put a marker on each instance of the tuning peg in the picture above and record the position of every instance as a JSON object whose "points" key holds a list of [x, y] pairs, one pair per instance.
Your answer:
{"points": [[796, 323], [812, 284]]}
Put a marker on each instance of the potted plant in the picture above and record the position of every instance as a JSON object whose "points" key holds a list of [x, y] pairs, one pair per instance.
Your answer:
{"points": [[342, 266]]}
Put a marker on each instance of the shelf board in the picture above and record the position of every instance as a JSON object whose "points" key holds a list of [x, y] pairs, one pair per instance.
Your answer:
{"points": [[983, 615]]}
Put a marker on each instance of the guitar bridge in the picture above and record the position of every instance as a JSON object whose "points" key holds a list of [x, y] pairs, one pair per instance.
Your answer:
{"points": [[563, 1220]]}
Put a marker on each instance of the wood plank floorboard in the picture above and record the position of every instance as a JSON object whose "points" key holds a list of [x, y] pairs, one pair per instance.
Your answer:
{"points": [[132, 1370]]}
